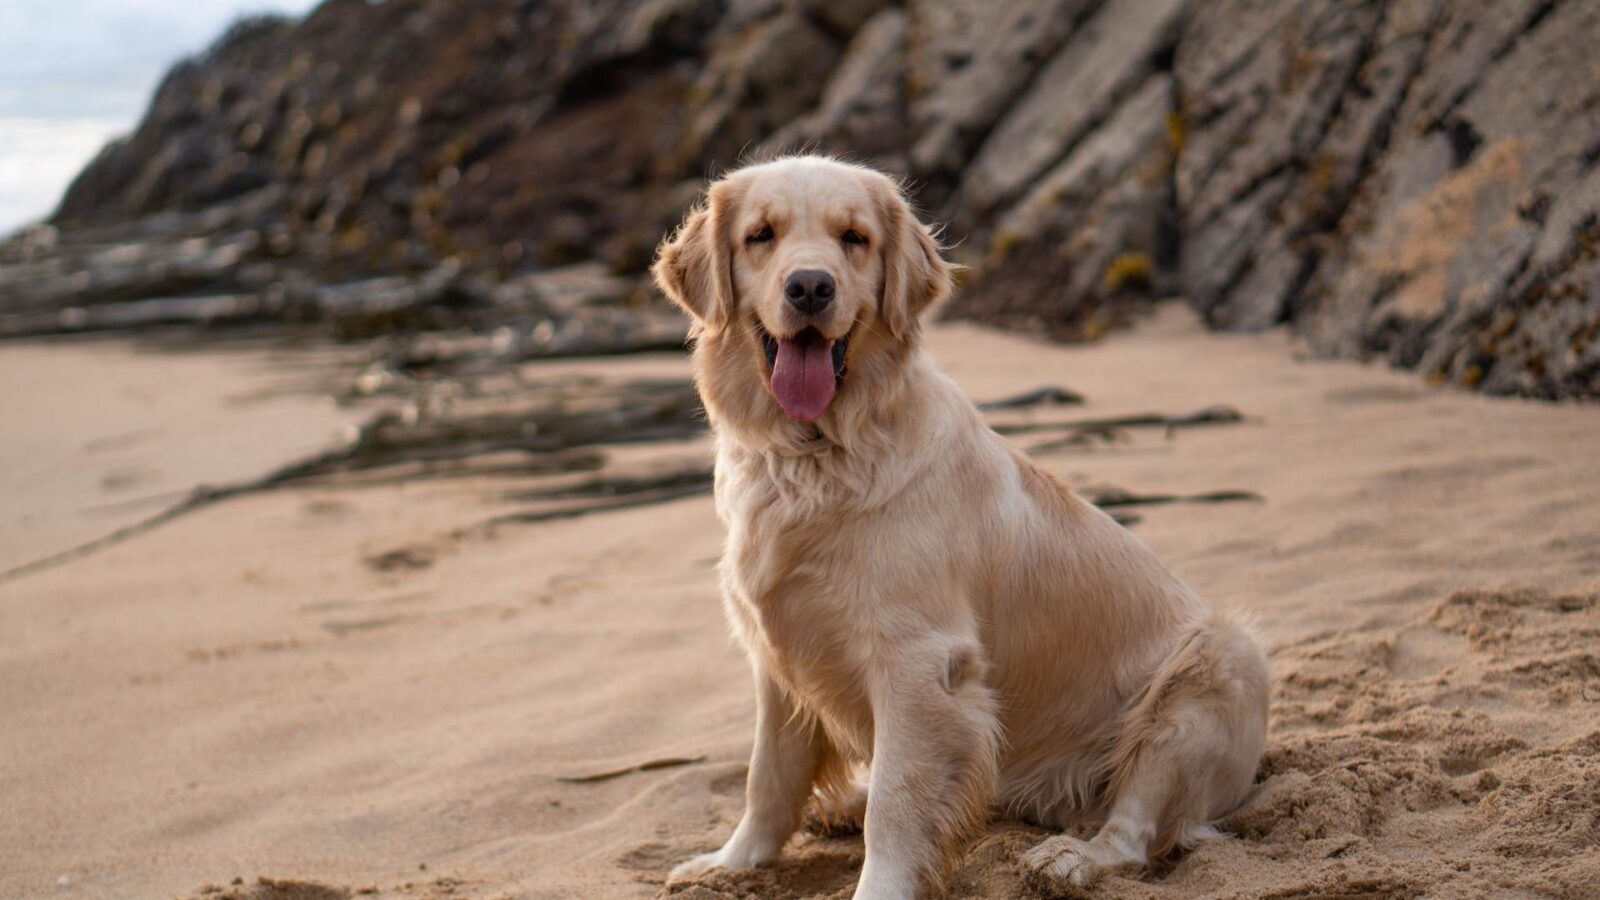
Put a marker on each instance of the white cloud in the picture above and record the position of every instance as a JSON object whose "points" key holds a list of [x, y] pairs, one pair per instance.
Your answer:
{"points": [[40, 158]]}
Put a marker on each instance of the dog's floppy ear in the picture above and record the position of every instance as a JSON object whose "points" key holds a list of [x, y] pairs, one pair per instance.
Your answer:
{"points": [[915, 276], [693, 267]]}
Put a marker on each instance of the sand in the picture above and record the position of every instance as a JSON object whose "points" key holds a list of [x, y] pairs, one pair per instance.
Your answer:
{"points": [[240, 695]]}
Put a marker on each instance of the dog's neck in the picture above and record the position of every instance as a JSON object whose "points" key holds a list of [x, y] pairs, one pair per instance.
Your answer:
{"points": [[861, 452]]}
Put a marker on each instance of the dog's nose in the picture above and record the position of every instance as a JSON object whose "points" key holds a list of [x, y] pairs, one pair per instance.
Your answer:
{"points": [[809, 291]]}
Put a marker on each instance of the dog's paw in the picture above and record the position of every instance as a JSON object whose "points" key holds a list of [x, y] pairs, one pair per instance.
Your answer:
{"points": [[1063, 866], [838, 816], [730, 858], [832, 825], [694, 868]]}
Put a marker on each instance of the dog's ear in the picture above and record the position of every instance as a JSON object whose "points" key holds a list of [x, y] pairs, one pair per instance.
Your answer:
{"points": [[693, 267], [915, 276]]}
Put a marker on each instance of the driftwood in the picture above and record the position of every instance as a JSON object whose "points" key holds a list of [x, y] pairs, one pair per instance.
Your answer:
{"points": [[1053, 396], [693, 479], [160, 275], [1108, 497], [152, 284], [595, 332], [1077, 431], [1082, 437], [530, 465], [654, 764], [639, 411], [645, 496]]}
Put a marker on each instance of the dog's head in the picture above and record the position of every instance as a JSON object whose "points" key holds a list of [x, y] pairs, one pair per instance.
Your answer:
{"points": [[806, 278]]}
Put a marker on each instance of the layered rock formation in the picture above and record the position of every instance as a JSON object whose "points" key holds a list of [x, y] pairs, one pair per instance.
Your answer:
{"points": [[1415, 179], [1412, 179]]}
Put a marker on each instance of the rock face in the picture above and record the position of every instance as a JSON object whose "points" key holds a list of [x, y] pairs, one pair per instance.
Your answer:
{"points": [[1071, 194], [1417, 180]]}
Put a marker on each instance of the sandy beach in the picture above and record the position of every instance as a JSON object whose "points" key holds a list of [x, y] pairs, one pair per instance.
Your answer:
{"points": [[326, 691]]}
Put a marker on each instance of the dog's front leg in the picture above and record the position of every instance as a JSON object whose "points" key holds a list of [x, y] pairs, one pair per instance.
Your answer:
{"points": [[935, 746], [783, 766]]}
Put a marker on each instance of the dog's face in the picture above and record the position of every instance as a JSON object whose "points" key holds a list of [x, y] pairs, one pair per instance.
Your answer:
{"points": [[799, 273], [804, 263]]}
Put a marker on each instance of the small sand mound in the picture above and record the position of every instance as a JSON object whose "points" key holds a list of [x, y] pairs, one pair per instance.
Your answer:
{"points": [[818, 868], [265, 888], [271, 889]]}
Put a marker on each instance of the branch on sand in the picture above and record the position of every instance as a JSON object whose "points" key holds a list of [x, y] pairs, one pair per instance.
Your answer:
{"points": [[1211, 415], [1045, 396], [669, 489], [1086, 431], [667, 763], [1109, 497]]}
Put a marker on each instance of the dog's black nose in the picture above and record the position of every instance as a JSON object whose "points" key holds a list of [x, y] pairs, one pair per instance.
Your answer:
{"points": [[809, 291]]}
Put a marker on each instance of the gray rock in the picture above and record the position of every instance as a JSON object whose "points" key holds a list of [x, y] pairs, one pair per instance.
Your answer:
{"points": [[863, 107], [1105, 60], [753, 85], [969, 61], [1477, 219], [1091, 237], [1261, 86], [1412, 179], [844, 17]]}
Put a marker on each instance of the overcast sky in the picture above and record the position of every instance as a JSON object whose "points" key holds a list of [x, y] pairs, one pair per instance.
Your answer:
{"points": [[76, 73]]}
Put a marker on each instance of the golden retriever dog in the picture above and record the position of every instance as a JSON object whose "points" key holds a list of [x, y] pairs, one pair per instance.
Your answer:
{"points": [[917, 599]]}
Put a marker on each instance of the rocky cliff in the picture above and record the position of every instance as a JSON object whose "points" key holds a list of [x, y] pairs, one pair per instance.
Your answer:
{"points": [[1417, 180]]}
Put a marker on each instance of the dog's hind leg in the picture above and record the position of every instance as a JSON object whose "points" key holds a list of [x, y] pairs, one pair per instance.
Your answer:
{"points": [[935, 745], [1186, 754], [1123, 843], [789, 751]]}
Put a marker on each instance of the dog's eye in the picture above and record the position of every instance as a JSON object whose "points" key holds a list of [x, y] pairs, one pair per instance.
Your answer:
{"points": [[761, 237], [854, 237]]}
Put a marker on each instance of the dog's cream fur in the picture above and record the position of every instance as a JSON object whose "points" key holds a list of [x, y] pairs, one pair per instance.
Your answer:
{"points": [[915, 595]]}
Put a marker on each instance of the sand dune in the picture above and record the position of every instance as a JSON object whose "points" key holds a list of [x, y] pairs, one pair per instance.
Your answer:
{"points": [[244, 694]]}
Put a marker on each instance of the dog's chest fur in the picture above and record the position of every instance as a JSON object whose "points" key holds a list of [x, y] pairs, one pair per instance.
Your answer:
{"points": [[793, 525]]}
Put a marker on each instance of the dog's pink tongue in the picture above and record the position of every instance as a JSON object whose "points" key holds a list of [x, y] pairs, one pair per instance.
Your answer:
{"points": [[802, 377]]}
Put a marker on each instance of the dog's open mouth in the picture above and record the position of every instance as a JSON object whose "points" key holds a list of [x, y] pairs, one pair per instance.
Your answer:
{"points": [[807, 370]]}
